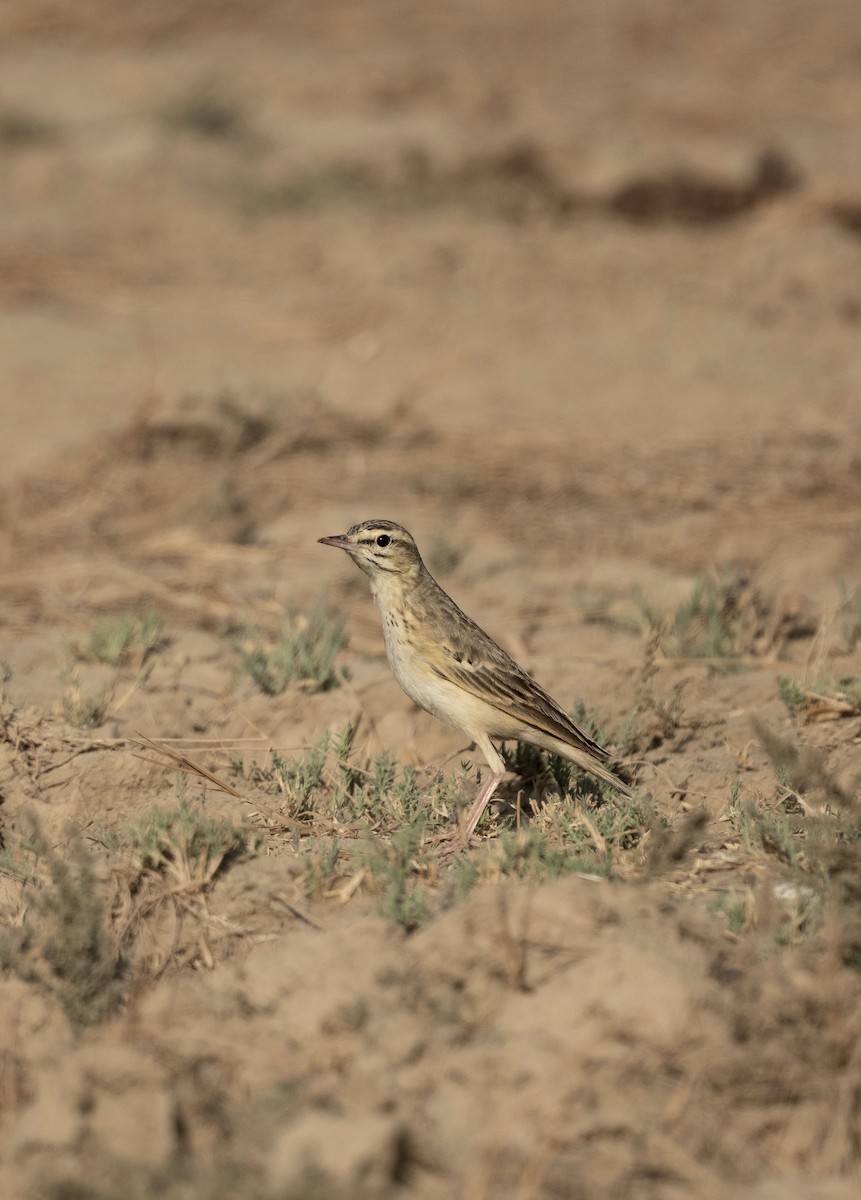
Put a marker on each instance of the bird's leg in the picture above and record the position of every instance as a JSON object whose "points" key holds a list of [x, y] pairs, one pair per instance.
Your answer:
{"points": [[485, 792], [481, 802]]}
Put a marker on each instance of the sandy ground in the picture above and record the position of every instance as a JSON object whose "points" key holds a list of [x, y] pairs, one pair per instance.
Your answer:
{"points": [[573, 291]]}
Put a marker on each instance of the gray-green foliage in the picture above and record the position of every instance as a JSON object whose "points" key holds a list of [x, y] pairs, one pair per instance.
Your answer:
{"points": [[296, 779], [838, 695], [567, 835], [65, 943], [810, 832], [791, 693], [122, 641], [397, 866], [186, 844], [86, 711], [713, 622], [303, 651], [391, 809], [777, 829], [333, 780]]}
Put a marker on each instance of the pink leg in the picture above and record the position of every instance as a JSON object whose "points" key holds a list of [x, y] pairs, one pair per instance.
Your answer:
{"points": [[481, 801], [497, 774]]}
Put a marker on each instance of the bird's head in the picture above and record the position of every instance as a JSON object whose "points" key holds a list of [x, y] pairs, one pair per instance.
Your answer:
{"points": [[382, 549]]}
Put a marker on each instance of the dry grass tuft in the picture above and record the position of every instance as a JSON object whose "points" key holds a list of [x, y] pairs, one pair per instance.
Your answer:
{"points": [[804, 769], [65, 943]]}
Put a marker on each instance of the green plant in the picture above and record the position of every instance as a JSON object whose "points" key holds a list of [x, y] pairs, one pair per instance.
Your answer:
{"points": [[396, 866], [811, 834], [296, 779], [716, 619], [606, 832], [122, 641], [777, 830], [735, 908], [530, 854], [333, 782], [304, 651], [791, 693], [320, 861], [564, 838], [65, 943], [86, 711], [376, 791], [186, 845], [837, 697]]}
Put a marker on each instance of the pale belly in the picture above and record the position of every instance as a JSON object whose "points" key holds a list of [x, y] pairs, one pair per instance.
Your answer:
{"points": [[446, 701]]}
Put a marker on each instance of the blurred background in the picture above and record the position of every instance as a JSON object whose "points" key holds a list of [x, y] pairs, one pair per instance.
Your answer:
{"points": [[572, 290], [636, 222]]}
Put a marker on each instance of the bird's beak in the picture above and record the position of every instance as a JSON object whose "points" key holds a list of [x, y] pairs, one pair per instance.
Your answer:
{"points": [[340, 540]]}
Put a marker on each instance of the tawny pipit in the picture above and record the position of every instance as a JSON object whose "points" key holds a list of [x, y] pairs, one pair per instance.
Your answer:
{"points": [[453, 669]]}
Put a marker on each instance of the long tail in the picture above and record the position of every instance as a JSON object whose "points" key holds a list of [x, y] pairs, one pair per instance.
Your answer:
{"points": [[607, 775], [588, 762]]}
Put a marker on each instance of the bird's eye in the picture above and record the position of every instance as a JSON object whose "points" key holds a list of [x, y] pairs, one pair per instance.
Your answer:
{"points": [[383, 540]]}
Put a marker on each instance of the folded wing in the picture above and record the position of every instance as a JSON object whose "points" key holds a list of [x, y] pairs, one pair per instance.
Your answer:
{"points": [[501, 682]]}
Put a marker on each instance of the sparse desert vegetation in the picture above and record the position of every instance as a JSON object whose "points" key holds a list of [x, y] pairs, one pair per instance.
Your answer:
{"points": [[572, 293]]}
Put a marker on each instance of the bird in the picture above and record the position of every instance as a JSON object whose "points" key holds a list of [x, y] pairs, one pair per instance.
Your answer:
{"points": [[454, 670]]}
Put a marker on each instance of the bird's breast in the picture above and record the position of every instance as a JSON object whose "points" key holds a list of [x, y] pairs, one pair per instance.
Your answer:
{"points": [[411, 665]]}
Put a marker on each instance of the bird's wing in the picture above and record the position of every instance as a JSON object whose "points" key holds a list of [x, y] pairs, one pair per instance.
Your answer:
{"points": [[481, 668]]}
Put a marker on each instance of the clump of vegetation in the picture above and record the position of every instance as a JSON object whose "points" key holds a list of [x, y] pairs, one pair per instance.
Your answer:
{"points": [[186, 846], [298, 780], [828, 699], [78, 929], [717, 619], [737, 908], [395, 819], [65, 943], [397, 867], [565, 835], [793, 907], [332, 783], [88, 712], [810, 833], [791, 693], [122, 641], [320, 861], [303, 651], [391, 814], [777, 830]]}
